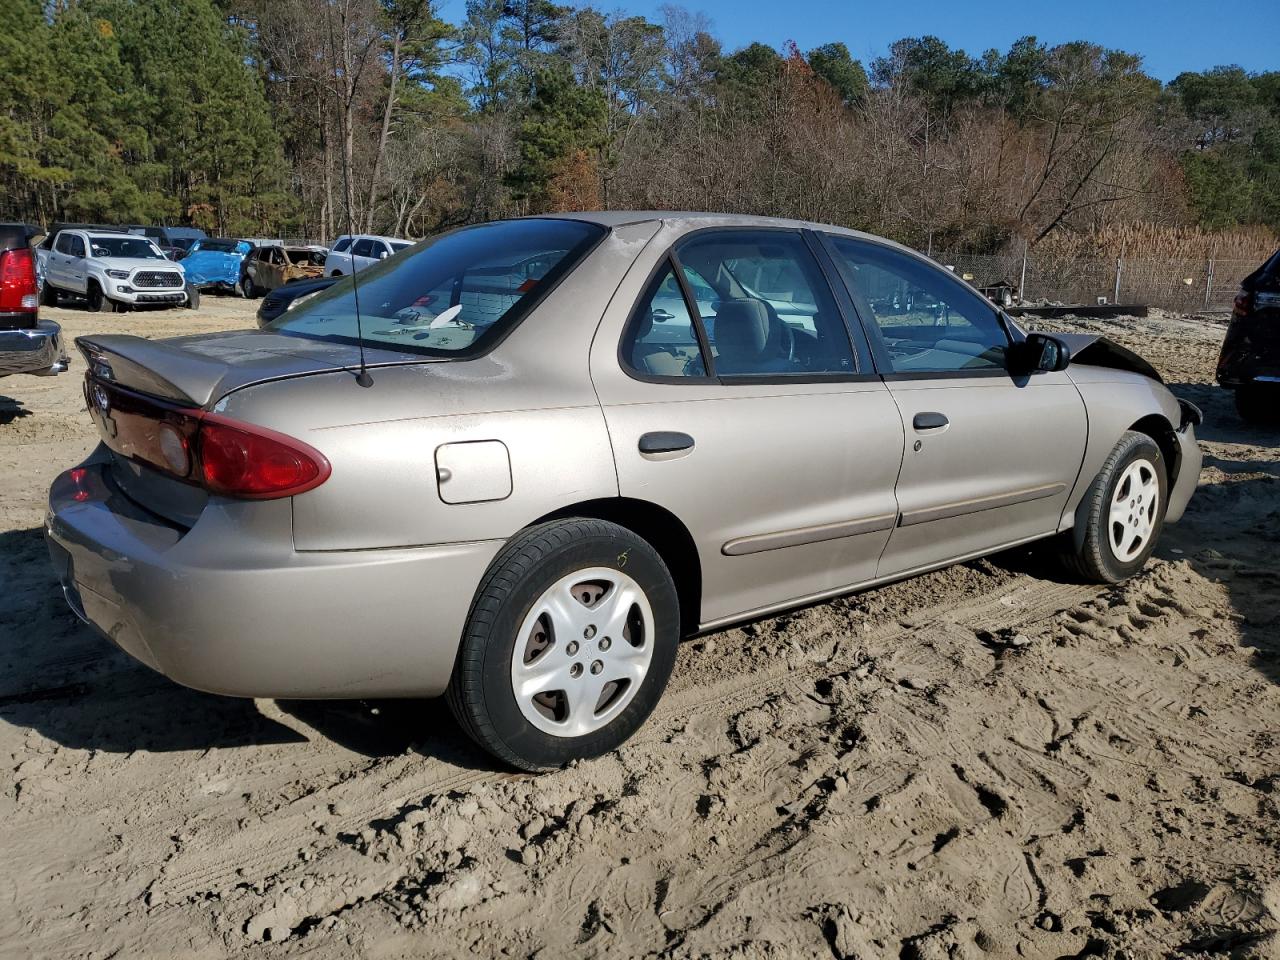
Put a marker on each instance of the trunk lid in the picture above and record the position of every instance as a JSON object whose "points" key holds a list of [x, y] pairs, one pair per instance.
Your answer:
{"points": [[199, 370]]}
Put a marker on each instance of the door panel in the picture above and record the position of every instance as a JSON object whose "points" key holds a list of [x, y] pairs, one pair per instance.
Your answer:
{"points": [[999, 471], [990, 459], [788, 491]]}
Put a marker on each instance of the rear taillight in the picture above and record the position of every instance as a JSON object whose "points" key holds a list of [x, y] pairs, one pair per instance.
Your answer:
{"points": [[240, 460], [18, 292], [226, 457], [1243, 303]]}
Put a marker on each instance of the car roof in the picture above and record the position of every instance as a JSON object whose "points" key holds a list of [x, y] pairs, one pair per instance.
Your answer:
{"points": [[694, 219]]}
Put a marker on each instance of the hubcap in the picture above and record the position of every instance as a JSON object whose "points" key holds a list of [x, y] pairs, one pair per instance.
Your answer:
{"points": [[1134, 508], [582, 652]]}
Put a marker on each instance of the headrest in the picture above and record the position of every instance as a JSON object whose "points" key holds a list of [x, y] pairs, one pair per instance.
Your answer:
{"points": [[742, 329]]}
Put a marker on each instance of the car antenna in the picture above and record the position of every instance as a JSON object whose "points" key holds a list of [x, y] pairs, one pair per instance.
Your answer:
{"points": [[363, 378]]}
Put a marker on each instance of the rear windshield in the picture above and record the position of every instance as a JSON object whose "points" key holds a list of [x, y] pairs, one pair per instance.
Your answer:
{"points": [[452, 294], [124, 247]]}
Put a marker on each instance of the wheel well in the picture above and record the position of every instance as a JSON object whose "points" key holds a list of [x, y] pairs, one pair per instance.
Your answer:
{"points": [[1161, 431], [665, 533]]}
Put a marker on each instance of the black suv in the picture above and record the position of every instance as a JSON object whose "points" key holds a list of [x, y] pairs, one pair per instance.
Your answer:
{"points": [[1250, 359]]}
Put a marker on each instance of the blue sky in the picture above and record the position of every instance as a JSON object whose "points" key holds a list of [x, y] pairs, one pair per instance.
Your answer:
{"points": [[1172, 36]]}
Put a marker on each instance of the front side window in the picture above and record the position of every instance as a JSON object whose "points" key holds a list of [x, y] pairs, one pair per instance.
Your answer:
{"points": [[452, 294], [929, 321], [765, 305], [75, 246], [363, 248], [661, 340]]}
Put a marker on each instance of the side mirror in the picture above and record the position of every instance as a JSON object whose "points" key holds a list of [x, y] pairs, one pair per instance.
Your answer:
{"points": [[383, 255], [1038, 353]]}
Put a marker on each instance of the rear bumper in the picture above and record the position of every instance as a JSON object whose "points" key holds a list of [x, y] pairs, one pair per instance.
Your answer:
{"points": [[38, 351], [230, 607]]}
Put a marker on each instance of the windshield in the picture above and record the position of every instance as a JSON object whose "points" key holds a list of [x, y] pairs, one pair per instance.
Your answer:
{"points": [[448, 295], [397, 247], [137, 247]]}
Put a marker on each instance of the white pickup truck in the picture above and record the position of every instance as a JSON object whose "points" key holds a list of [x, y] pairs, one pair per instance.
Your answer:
{"points": [[112, 271]]}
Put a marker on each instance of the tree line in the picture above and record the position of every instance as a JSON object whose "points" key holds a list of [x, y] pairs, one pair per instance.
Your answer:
{"points": [[305, 117]]}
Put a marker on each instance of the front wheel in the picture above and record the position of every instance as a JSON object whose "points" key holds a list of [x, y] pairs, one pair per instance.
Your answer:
{"points": [[99, 302], [569, 644], [1122, 513], [193, 298]]}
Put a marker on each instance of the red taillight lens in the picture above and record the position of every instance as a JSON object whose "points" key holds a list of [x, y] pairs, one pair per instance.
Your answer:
{"points": [[1243, 303], [238, 460], [18, 281]]}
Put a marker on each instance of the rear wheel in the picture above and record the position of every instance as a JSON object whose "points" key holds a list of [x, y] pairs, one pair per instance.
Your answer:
{"points": [[1122, 513], [99, 302], [569, 644], [1256, 404]]}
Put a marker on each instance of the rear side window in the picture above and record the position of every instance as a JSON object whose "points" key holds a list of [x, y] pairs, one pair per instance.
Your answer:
{"points": [[454, 294], [661, 339], [341, 245], [765, 305], [63, 243]]}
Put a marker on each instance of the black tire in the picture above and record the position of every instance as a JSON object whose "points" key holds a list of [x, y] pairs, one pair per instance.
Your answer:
{"points": [[1256, 404], [247, 288], [1087, 551], [49, 295], [99, 302], [193, 298], [480, 691]]}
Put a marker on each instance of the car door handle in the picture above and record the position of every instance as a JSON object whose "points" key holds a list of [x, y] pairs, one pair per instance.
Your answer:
{"points": [[929, 421], [665, 441]]}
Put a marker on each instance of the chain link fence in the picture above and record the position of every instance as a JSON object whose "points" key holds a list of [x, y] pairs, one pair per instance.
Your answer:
{"points": [[1173, 284]]}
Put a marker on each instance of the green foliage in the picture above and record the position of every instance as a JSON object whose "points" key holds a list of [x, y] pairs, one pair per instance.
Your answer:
{"points": [[564, 118], [136, 110], [1233, 168], [833, 63]]}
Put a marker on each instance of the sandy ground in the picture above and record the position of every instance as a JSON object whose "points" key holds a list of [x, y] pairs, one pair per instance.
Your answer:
{"points": [[984, 762]]}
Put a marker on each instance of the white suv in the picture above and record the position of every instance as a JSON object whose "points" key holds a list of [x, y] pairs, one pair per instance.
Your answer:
{"points": [[113, 270], [361, 249]]}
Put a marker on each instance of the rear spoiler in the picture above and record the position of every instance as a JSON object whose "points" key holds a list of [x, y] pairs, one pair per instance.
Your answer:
{"points": [[135, 362]]}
